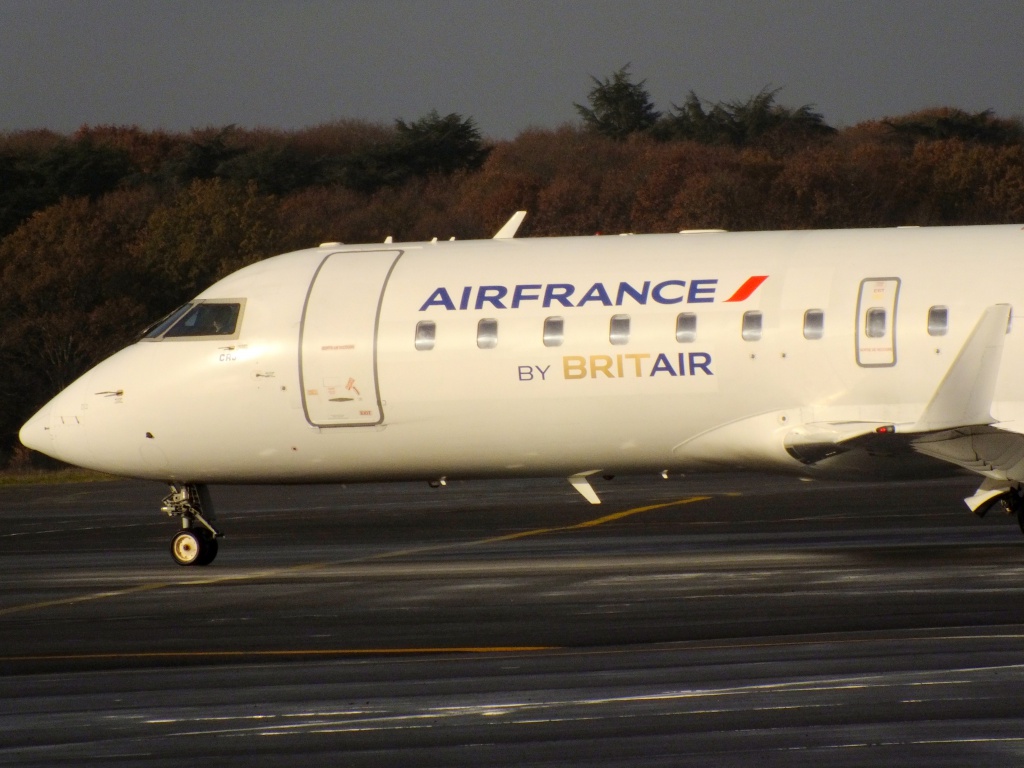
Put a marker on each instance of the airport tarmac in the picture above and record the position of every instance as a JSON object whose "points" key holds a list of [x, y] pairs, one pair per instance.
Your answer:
{"points": [[728, 620]]}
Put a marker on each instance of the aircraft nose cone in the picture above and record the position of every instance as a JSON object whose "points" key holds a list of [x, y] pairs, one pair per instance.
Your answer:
{"points": [[36, 433]]}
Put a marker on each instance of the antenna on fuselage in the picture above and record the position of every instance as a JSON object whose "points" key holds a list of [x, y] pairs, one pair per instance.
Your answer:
{"points": [[508, 231]]}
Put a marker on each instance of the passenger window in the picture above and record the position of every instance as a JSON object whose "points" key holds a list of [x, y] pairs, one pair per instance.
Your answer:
{"points": [[618, 330], [487, 333], [426, 330], [814, 324], [751, 326], [938, 321], [554, 332], [207, 319], [874, 323], [686, 327]]}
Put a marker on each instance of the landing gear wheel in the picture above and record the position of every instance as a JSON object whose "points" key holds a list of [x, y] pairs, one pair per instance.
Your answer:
{"points": [[196, 542], [187, 548]]}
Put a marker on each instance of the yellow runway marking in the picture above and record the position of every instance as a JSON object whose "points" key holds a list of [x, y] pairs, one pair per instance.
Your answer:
{"points": [[271, 573], [80, 598], [590, 523]]}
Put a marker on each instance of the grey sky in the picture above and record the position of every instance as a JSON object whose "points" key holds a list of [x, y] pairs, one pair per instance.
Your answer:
{"points": [[509, 65]]}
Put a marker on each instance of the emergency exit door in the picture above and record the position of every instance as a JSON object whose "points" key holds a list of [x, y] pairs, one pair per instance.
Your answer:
{"points": [[876, 322], [338, 347]]}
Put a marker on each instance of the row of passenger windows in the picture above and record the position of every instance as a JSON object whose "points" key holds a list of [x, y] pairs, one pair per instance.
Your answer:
{"points": [[553, 335]]}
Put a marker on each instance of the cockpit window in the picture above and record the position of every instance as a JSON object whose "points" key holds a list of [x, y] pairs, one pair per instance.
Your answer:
{"points": [[157, 329], [207, 319], [201, 319]]}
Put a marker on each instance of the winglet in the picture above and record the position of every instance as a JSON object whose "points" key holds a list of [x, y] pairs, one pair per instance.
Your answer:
{"points": [[964, 396], [508, 231]]}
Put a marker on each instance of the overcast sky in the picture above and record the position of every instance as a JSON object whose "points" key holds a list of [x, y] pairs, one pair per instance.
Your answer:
{"points": [[509, 65]]}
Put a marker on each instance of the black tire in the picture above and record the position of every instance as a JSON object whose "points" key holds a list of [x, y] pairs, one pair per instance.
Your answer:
{"points": [[208, 549]]}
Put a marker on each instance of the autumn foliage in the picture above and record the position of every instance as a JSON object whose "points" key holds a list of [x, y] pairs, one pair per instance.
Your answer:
{"points": [[105, 230]]}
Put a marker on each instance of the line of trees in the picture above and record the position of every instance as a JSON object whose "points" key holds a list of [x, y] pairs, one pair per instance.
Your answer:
{"points": [[104, 230]]}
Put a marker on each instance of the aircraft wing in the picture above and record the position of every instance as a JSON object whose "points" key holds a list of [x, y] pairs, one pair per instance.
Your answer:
{"points": [[956, 426]]}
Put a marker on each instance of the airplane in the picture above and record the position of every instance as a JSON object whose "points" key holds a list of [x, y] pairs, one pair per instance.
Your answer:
{"points": [[859, 354]]}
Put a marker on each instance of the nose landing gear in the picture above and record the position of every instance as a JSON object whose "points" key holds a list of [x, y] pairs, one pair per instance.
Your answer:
{"points": [[196, 542]]}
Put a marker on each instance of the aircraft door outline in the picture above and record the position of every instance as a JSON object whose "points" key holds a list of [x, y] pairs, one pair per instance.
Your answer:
{"points": [[338, 339]]}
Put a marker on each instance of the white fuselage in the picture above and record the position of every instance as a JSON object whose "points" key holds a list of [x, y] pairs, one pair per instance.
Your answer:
{"points": [[335, 373]]}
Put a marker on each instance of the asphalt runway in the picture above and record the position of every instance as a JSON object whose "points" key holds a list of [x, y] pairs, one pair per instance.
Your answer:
{"points": [[729, 620]]}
